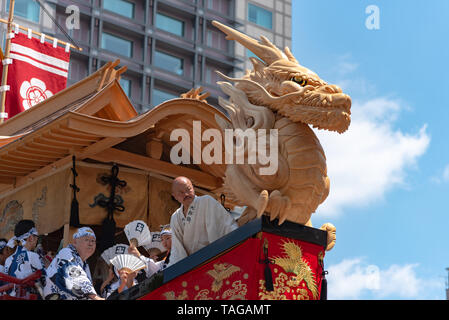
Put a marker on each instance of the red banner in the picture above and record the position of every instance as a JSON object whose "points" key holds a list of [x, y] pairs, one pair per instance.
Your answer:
{"points": [[38, 71], [295, 266]]}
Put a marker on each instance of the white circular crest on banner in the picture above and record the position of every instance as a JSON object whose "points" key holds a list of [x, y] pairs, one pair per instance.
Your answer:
{"points": [[33, 92]]}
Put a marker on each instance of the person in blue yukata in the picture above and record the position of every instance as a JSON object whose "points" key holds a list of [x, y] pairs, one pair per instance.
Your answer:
{"points": [[24, 262], [68, 275]]}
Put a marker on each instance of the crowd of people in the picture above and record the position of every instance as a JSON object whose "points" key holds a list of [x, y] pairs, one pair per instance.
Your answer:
{"points": [[199, 221]]}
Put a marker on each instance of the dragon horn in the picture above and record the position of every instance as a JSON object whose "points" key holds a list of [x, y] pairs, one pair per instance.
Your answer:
{"points": [[264, 49], [289, 55]]}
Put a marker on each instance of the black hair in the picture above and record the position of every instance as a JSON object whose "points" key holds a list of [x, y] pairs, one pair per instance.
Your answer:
{"points": [[23, 226], [3, 240]]}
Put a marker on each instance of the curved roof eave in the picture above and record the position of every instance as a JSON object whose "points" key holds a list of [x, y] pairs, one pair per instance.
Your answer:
{"points": [[199, 110], [36, 151]]}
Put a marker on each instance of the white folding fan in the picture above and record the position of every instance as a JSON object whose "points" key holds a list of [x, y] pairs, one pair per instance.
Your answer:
{"points": [[138, 233], [111, 252], [127, 261]]}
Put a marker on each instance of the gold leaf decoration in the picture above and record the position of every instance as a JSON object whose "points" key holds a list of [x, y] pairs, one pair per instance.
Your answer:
{"points": [[294, 263], [221, 272]]}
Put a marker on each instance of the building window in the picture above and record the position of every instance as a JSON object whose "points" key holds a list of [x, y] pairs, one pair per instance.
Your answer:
{"points": [[121, 7], [216, 40], [260, 16], [170, 24], [168, 62], [116, 44], [77, 70], [221, 6], [159, 96], [126, 86], [26, 9], [211, 76]]}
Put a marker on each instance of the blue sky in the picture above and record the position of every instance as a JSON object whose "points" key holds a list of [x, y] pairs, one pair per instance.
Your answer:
{"points": [[390, 171]]}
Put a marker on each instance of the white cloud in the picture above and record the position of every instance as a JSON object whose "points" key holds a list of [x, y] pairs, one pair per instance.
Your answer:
{"points": [[354, 279], [446, 173], [369, 159], [356, 86], [442, 177], [344, 65], [344, 76]]}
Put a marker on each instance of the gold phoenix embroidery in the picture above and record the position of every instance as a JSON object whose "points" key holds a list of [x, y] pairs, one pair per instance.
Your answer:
{"points": [[220, 272], [294, 263], [171, 295]]}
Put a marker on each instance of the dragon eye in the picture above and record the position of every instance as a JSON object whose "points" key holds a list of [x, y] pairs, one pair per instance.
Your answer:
{"points": [[299, 80]]}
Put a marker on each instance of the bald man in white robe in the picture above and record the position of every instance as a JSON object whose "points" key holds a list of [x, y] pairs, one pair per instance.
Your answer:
{"points": [[200, 220]]}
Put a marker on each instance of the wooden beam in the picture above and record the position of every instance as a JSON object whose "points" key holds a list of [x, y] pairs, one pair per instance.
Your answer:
{"points": [[74, 133], [68, 139], [43, 171], [15, 171], [97, 147], [59, 144], [24, 157], [49, 145], [9, 173], [7, 180], [46, 36], [5, 162], [199, 178]]}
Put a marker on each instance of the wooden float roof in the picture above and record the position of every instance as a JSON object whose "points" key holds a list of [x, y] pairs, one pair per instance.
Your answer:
{"points": [[87, 120]]}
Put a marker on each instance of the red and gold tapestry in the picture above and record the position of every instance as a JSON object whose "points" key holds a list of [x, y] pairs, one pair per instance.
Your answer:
{"points": [[296, 268]]}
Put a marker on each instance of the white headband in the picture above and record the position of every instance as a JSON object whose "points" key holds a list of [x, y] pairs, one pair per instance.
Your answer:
{"points": [[21, 239], [84, 231], [2, 244], [12, 242], [165, 231]]}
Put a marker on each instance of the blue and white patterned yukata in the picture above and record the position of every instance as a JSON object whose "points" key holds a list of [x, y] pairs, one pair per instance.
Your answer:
{"points": [[21, 264], [69, 277]]}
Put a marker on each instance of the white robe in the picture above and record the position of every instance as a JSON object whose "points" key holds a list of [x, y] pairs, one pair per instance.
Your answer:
{"points": [[206, 221], [22, 263]]}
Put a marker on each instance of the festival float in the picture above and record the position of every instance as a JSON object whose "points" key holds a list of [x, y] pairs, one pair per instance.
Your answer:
{"points": [[85, 157]]}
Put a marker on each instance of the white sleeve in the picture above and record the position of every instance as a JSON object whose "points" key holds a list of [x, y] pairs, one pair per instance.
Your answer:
{"points": [[37, 264], [178, 252], [35, 261], [219, 221], [78, 281], [152, 267]]}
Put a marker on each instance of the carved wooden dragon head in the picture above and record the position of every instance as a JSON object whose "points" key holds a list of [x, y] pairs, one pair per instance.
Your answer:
{"points": [[279, 82]]}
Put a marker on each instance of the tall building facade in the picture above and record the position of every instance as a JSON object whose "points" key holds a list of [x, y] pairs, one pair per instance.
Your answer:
{"points": [[169, 46]]}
